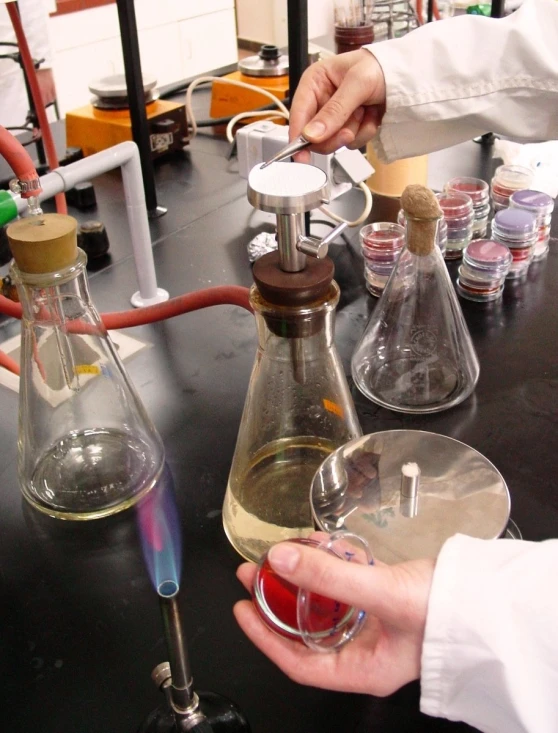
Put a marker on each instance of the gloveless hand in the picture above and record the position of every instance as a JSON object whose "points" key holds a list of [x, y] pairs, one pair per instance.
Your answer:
{"points": [[339, 101], [384, 656]]}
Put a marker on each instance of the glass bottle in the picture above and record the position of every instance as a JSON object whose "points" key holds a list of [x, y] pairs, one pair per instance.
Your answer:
{"points": [[416, 353], [86, 446], [297, 411]]}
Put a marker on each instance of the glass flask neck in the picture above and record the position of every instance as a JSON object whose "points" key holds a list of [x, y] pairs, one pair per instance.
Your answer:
{"points": [[42, 295]]}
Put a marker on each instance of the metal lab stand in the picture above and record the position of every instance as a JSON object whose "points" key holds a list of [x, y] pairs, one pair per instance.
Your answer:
{"points": [[393, 18]]}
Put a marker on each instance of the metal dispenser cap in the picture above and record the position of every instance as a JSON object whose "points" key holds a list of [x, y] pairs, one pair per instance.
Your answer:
{"points": [[284, 188], [115, 85], [407, 491], [269, 62]]}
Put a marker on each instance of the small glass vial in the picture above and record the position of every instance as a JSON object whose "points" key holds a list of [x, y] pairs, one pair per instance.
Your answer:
{"points": [[478, 191], [483, 271], [381, 244], [322, 623], [459, 216], [516, 229], [506, 180], [541, 205], [441, 234]]}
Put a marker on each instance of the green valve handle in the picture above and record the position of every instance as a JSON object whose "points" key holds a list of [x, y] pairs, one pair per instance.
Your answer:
{"points": [[479, 10], [8, 207]]}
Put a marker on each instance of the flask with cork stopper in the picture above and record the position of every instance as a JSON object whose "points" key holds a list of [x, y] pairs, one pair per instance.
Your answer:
{"points": [[416, 354], [86, 446]]}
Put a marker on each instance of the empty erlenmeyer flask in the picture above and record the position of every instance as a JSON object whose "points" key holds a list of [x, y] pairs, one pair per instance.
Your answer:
{"points": [[416, 353], [86, 446]]}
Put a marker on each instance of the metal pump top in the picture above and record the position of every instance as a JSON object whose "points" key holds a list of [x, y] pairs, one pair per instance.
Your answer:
{"points": [[299, 271]]}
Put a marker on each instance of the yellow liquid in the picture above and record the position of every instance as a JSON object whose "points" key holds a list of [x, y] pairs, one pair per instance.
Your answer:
{"points": [[270, 502]]}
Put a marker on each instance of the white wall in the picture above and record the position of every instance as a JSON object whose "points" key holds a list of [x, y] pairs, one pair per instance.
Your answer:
{"points": [[265, 21], [177, 40]]}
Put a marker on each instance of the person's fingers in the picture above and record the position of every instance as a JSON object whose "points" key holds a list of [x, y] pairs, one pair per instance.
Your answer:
{"points": [[395, 595], [368, 127], [292, 657], [314, 88], [362, 85], [344, 137]]}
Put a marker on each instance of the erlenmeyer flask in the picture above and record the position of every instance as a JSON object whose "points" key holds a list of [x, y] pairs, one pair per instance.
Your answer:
{"points": [[86, 446], [416, 353], [297, 411], [298, 408]]}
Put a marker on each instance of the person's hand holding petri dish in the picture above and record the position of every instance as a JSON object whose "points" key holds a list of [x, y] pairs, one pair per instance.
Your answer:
{"points": [[384, 652]]}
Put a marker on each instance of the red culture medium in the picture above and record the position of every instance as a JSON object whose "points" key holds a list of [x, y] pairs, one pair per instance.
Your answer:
{"points": [[275, 600]]}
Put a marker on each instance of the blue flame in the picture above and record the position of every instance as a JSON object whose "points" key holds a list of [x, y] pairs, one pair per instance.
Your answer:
{"points": [[159, 530]]}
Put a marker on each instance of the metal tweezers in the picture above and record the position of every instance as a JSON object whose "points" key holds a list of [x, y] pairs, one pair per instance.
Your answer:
{"points": [[286, 152]]}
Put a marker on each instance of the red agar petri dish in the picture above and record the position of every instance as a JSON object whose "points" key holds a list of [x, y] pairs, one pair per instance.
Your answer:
{"points": [[327, 623]]}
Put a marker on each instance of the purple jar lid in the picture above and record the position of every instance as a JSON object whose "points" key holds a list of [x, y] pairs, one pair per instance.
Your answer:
{"points": [[535, 201], [487, 252], [515, 222]]}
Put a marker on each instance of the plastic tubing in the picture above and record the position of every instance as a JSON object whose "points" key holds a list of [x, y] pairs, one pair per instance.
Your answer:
{"points": [[29, 68], [220, 295]]}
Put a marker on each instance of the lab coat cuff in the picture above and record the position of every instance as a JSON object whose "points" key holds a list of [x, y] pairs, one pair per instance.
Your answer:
{"points": [[435, 675]]}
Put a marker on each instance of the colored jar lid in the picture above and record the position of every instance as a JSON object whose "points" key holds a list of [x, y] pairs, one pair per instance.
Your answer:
{"points": [[487, 253], [536, 201], [476, 188], [382, 237], [514, 176], [514, 222], [455, 204]]}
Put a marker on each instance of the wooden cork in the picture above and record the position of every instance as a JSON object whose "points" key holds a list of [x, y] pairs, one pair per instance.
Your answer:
{"points": [[422, 211], [45, 243]]}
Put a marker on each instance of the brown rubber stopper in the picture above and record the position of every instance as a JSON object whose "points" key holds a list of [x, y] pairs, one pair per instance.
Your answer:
{"points": [[45, 243], [422, 211], [292, 288]]}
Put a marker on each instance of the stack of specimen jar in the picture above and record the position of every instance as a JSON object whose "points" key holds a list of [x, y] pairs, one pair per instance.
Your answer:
{"points": [[381, 244], [506, 180], [459, 217], [441, 234], [477, 189], [485, 266], [517, 229], [541, 205]]}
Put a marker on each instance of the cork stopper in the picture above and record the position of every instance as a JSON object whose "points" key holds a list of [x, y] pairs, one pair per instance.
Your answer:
{"points": [[45, 243], [422, 211]]}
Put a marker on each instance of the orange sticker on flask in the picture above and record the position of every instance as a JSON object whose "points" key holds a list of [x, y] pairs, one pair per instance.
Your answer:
{"points": [[333, 407]]}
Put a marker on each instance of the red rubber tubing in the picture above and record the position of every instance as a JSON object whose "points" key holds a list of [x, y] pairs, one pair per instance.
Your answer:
{"points": [[220, 295], [8, 363], [29, 68]]}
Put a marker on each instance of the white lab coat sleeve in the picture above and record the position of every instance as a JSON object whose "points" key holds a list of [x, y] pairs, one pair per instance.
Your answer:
{"points": [[451, 80], [490, 651], [35, 22]]}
